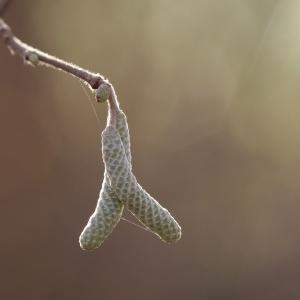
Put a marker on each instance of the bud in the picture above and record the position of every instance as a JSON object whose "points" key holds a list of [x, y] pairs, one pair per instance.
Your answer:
{"points": [[33, 58], [103, 92]]}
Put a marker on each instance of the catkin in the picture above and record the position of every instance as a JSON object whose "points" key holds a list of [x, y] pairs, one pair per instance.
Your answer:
{"points": [[145, 208], [109, 208], [120, 186]]}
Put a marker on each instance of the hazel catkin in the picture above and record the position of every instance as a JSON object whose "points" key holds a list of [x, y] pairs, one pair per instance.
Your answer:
{"points": [[120, 186]]}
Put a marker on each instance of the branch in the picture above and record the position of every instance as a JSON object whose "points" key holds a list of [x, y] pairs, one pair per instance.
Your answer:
{"points": [[37, 57]]}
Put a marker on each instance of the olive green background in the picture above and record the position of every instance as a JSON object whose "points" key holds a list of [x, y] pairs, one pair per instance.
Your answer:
{"points": [[211, 91]]}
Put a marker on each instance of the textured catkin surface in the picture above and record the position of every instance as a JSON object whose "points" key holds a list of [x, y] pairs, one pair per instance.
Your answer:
{"points": [[123, 130], [102, 222], [109, 208], [145, 208]]}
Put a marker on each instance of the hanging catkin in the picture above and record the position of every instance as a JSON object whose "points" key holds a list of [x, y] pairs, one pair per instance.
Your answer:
{"points": [[120, 185]]}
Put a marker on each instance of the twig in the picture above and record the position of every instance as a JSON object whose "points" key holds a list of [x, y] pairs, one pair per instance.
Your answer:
{"points": [[37, 57]]}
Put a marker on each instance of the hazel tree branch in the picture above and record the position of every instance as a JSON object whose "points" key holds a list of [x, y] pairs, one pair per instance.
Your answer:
{"points": [[36, 57]]}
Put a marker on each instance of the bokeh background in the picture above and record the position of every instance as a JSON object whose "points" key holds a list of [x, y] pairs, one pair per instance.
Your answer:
{"points": [[211, 90]]}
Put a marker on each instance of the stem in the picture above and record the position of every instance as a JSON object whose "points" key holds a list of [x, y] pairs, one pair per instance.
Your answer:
{"points": [[35, 56]]}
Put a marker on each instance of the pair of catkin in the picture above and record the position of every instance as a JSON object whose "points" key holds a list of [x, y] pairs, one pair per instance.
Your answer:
{"points": [[120, 187]]}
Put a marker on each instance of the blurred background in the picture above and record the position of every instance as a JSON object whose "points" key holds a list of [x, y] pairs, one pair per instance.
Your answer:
{"points": [[211, 91]]}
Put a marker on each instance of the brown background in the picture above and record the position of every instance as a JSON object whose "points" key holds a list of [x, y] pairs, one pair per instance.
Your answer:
{"points": [[211, 90]]}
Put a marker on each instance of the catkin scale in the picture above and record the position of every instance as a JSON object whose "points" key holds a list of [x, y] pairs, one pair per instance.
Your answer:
{"points": [[144, 207]]}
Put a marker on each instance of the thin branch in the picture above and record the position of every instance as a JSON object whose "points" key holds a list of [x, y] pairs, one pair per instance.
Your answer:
{"points": [[37, 57]]}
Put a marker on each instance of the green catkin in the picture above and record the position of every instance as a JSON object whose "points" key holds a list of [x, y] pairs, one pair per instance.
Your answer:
{"points": [[144, 207], [109, 208]]}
